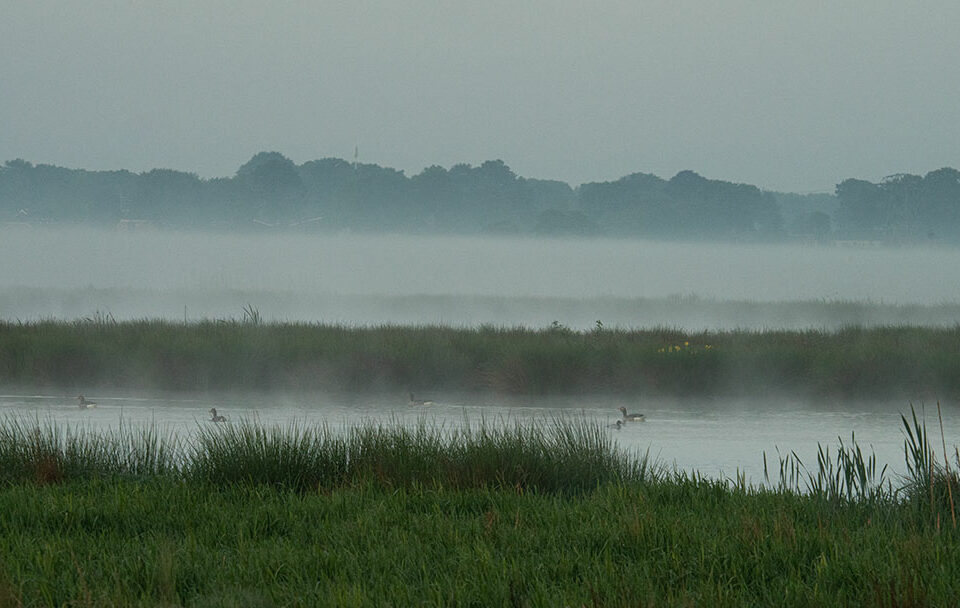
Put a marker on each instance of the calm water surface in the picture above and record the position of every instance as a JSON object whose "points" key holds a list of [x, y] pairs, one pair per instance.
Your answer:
{"points": [[716, 439]]}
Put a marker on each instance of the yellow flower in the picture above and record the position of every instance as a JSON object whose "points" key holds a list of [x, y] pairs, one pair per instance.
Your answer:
{"points": [[686, 344]]}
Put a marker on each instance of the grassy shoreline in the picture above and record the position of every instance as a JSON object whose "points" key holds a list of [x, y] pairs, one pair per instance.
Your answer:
{"points": [[889, 363], [549, 515]]}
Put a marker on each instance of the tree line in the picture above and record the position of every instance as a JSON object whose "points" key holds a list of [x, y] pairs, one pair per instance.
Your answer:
{"points": [[270, 191]]}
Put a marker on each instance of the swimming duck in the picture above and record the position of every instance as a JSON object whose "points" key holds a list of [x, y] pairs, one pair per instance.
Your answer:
{"points": [[632, 417], [216, 417], [84, 404], [419, 401], [616, 425]]}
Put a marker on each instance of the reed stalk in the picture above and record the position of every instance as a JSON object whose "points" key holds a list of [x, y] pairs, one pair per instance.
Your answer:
{"points": [[946, 464]]}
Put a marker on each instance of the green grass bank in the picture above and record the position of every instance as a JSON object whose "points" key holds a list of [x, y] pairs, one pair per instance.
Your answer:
{"points": [[889, 363], [553, 514], [163, 542]]}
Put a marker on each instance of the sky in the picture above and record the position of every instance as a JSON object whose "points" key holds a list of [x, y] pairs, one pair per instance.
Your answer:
{"points": [[792, 96]]}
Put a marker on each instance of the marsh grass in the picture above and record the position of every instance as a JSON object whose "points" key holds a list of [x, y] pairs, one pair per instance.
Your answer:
{"points": [[490, 513], [164, 542], [251, 354], [847, 476], [47, 452], [852, 477], [295, 456], [567, 454], [929, 482], [563, 455]]}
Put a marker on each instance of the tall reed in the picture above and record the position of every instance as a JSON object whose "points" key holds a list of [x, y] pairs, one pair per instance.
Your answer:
{"points": [[48, 452], [928, 483], [562, 455], [556, 456], [848, 476]]}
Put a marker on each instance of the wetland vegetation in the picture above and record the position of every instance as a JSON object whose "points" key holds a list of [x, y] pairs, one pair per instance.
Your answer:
{"points": [[509, 515], [889, 363], [691, 313]]}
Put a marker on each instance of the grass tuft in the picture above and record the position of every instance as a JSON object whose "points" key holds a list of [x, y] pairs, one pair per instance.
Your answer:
{"points": [[565, 455]]}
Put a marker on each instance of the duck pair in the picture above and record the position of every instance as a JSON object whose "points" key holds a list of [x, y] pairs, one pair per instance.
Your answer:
{"points": [[86, 403]]}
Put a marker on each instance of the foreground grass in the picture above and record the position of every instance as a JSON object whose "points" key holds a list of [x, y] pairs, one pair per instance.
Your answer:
{"points": [[678, 543], [553, 514], [855, 363]]}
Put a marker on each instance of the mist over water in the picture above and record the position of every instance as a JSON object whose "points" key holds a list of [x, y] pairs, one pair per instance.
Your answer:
{"points": [[360, 279], [365, 279]]}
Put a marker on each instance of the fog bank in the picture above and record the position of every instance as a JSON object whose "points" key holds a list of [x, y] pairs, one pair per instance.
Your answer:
{"points": [[68, 273]]}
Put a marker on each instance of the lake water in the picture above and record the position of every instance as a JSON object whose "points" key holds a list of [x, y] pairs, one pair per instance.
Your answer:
{"points": [[716, 439]]}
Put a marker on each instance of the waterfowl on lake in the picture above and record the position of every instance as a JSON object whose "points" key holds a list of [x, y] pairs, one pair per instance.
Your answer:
{"points": [[419, 401], [632, 417], [216, 417], [84, 404], [616, 425]]}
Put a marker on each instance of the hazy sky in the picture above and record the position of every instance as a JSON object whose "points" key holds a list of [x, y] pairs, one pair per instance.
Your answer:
{"points": [[787, 95]]}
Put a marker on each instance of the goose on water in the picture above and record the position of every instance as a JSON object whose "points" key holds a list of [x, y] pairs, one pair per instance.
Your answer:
{"points": [[632, 417], [419, 401], [216, 417], [84, 404]]}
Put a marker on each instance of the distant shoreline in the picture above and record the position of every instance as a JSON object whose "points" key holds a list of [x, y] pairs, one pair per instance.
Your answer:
{"points": [[682, 312], [854, 363], [272, 193]]}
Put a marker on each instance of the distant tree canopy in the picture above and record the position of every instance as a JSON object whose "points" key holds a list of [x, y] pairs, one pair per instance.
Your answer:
{"points": [[902, 206], [270, 191], [686, 205]]}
